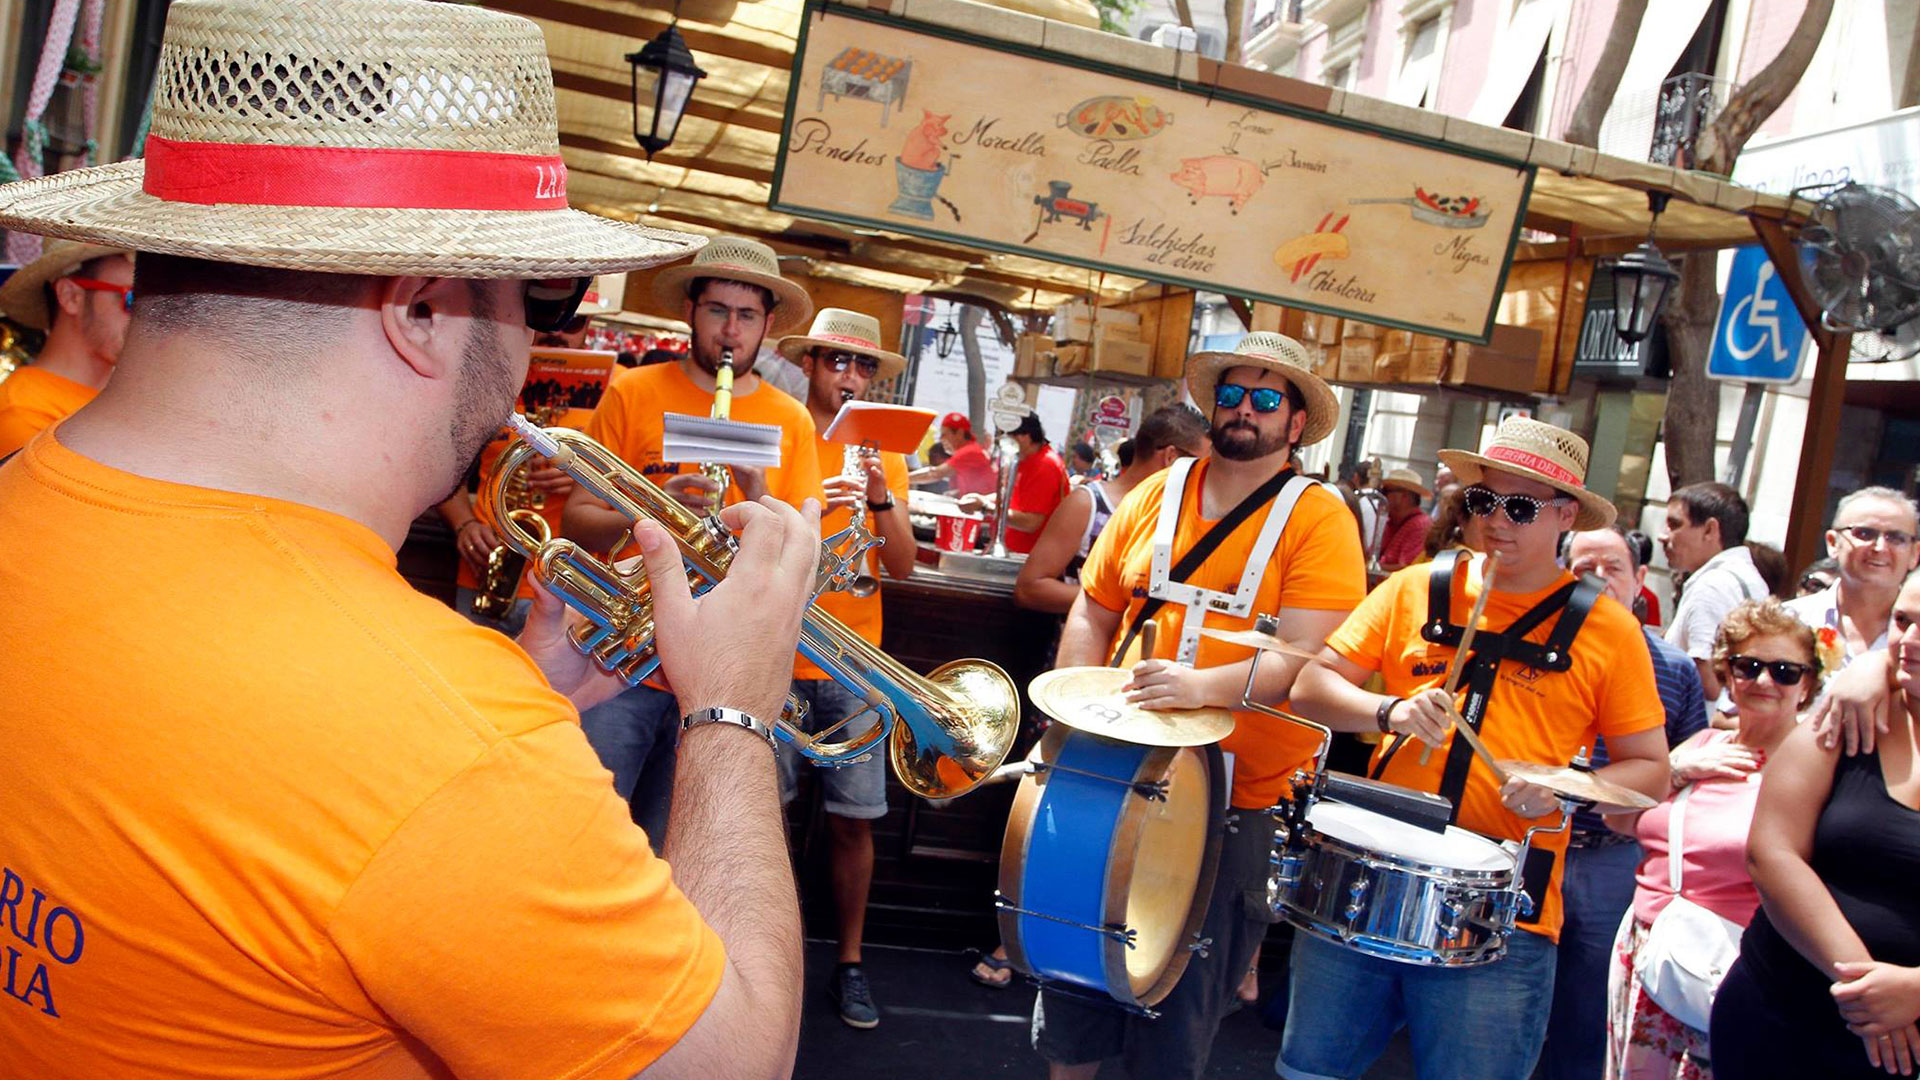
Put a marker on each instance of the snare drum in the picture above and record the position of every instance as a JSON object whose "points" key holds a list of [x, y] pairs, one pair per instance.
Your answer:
{"points": [[1108, 863], [1397, 891]]}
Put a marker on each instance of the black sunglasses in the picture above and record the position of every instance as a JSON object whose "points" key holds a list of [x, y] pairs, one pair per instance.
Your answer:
{"points": [[1864, 535], [1266, 399], [837, 362], [553, 303], [1521, 509], [1784, 672]]}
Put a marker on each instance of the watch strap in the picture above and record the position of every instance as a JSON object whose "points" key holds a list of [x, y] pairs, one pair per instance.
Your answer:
{"points": [[881, 507], [1383, 714], [722, 715]]}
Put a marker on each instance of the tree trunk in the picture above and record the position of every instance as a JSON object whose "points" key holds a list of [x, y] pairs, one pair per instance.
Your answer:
{"points": [[1236, 12], [1183, 10], [1693, 400], [970, 319], [1584, 127]]}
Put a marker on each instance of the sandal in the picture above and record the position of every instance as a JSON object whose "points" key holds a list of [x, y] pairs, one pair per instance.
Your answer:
{"points": [[996, 966]]}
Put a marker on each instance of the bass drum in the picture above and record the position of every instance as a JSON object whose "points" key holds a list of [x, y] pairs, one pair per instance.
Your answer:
{"points": [[1108, 863]]}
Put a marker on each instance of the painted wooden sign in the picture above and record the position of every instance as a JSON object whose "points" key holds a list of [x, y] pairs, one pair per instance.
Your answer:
{"points": [[921, 130]]}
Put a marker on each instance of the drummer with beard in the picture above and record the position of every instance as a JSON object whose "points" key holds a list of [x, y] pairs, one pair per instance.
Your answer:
{"points": [[1261, 539], [1546, 697]]}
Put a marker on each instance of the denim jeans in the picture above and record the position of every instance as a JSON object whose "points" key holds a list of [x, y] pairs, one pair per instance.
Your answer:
{"points": [[636, 733], [1597, 890], [852, 791], [1477, 1023]]}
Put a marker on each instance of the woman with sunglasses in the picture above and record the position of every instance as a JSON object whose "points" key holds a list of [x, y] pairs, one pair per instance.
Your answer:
{"points": [[1828, 980], [1766, 657]]}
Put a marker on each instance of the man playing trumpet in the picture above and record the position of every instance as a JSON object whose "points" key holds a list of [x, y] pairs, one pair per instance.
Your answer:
{"points": [[840, 354]]}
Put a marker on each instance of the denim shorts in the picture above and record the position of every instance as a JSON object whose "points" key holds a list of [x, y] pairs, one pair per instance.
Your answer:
{"points": [[852, 791], [1475, 1023]]}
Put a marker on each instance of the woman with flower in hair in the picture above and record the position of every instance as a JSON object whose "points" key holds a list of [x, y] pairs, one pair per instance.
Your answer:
{"points": [[1766, 658]]}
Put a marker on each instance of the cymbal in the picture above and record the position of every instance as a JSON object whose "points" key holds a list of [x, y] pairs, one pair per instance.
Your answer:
{"points": [[1607, 797], [1254, 639], [1090, 699]]}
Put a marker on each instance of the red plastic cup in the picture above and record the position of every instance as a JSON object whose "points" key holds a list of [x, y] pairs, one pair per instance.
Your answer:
{"points": [[956, 533]]}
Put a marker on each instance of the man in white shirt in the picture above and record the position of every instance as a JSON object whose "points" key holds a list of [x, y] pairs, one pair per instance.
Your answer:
{"points": [[1873, 548], [1705, 537]]}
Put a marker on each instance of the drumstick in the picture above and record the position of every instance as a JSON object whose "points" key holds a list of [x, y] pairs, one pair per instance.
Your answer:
{"points": [[1460, 657], [1473, 740]]}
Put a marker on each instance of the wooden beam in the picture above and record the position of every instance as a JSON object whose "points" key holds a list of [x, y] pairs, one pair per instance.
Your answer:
{"points": [[666, 157], [696, 105], [1806, 525], [1786, 266], [641, 29]]}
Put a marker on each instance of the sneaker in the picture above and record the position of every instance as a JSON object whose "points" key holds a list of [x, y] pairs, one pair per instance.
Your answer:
{"points": [[850, 992]]}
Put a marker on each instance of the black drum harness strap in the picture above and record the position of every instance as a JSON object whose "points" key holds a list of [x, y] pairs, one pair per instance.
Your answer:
{"points": [[1572, 602]]}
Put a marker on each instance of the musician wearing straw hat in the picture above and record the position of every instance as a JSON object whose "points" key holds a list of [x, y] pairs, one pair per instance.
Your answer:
{"points": [[265, 807], [80, 294], [732, 298], [1552, 664], [1212, 542], [840, 354], [1407, 523]]}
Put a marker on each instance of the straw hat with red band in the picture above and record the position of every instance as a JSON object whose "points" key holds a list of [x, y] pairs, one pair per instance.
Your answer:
{"points": [[1279, 354], [735, 258], [347, 136], [1536, 451], [23, 298], [839, 330]]}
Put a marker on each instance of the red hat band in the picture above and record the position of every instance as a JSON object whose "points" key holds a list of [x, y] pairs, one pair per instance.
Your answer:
{"points": [[253, 174]]}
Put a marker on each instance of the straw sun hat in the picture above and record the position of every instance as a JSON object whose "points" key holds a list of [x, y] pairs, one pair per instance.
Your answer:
{"points": [[848, 331], [1536, 451], [1405, 480], [735, 258], [1279, 354], [24, 296], [346, 136]]}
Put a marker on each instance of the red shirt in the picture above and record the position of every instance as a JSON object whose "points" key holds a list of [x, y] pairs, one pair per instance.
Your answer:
{"points": [[1406, 543], [973, 473], [1039, 484]]}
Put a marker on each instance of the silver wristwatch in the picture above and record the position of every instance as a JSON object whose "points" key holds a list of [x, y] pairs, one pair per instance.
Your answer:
{"points": [[718, 715]]}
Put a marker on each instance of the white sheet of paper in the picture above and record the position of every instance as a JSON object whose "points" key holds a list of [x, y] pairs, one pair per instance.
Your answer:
{"points": [[696, 439]]}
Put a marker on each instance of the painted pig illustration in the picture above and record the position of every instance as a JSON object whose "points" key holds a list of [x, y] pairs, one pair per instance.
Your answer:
{"points": [[923, 147], [1232, 178]]}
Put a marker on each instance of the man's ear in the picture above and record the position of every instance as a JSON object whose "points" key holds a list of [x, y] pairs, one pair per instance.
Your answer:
{"points": [[1639, 577], [1710, 529], [1296, 426], [427, 321], [68, 297]]}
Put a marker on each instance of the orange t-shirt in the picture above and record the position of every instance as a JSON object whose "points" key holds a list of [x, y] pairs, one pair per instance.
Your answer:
{"points": [[267, 813], [550, 509], [860, 613], [1316, 566], [1532, 715], [629, 422], [32, 400]]}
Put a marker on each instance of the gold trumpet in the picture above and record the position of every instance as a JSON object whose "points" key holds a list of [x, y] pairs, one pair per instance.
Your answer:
{"points": [[500, 579], [946, 731]]}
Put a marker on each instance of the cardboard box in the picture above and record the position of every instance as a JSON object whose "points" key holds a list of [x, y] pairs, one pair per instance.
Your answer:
{"points": [[1318, 329], [1070, 358], [1354, 328], [1030, 352], [1356, 359], [1396, 341], [1508, 362], [1326, 361], [1077, 321], [1114, 351], [1391, 367], [1427, 361]]}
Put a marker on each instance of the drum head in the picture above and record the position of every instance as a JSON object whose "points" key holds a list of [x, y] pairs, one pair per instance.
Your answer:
{"points": [[1167, 861], [1455, 849]]}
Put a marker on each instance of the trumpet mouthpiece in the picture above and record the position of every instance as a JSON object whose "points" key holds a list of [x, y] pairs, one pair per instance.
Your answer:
{"points": [[546, 445]]}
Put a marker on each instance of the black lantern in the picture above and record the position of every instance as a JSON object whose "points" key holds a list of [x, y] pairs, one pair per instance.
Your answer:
{"points": [[663, 78], [1642, 278], [944, 337]]}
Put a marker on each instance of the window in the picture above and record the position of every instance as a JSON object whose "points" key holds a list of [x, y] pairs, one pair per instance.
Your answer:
{"points": [[1421, 64]]}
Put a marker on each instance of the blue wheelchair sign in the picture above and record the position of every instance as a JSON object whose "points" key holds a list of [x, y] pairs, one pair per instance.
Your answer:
{"points": [[1759, 336]]}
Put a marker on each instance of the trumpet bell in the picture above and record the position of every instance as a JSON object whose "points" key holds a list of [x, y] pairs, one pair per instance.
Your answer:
{"points": [[962, 735]]}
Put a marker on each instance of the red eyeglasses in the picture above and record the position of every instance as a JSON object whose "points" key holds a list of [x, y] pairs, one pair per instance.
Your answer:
{"points": [[95, 285]]}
